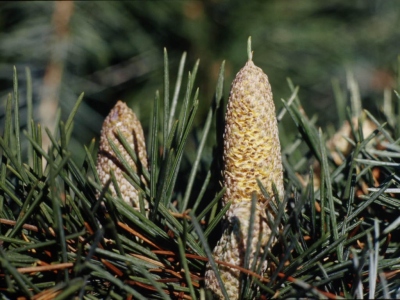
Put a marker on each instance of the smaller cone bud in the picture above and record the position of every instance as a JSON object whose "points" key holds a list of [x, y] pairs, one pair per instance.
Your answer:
{"points": [[121, 118]]}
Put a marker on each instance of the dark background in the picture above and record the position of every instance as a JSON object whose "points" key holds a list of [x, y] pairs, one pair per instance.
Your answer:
{"points": [[114, 50]]}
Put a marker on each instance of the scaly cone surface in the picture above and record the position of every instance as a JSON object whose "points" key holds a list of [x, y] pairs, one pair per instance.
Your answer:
{"points": [[121, 118], [251, 150]]}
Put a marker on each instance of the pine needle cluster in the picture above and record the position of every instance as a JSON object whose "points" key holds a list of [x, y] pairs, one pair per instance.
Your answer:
{"points": [[64, 235]]}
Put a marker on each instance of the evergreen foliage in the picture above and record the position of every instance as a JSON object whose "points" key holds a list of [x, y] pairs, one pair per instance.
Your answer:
{"points": [[337, 226]]}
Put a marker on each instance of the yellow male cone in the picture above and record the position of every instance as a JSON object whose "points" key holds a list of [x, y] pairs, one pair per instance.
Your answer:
{"points": [[251, 150]]}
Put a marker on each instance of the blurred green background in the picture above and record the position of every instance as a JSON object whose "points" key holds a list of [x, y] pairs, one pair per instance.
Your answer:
{"points": [[114, 50]]}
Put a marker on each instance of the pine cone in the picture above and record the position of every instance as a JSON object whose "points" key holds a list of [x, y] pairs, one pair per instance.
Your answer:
{"points": [[121, 117], [251, 150]]}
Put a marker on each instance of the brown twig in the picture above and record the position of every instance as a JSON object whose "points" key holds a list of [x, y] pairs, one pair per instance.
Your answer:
{"points": [[135, 233], [13, 223]]}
